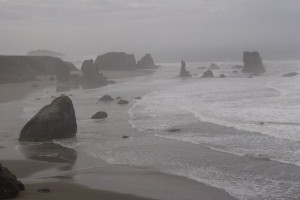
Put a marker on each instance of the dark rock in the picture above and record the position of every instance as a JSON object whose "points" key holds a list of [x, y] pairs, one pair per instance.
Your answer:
{"points": [[88, 69], [91, 77], [222, 76], [173, 130], [37, 99], [52, 78], [125, 137], [202, 67], [235, 72], [290, 74], [183, 72], [214, 66], [9, 185], [106, 98], [43, 190], [146, 62], [208, 74], [237, 67], [115, 61], [100, 115], [261, 123], [252, 63], [137, 98], [54, 121], [123, 102], [33, 85], [119, 98]]}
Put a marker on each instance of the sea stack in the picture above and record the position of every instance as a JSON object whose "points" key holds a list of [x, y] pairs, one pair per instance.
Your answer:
{"points": [[146, 62], [183, 72], [252, 63], [115, 61], [54, 121]]}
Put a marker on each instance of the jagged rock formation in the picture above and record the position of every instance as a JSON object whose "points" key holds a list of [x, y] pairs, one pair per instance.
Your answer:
{"points": [[208, 74], [214, 66], [54, 121], [44, 53], [291, 74], [91, 76], [9, 185], [115, 61], [146, 62], [183, 72], [100, 115], [25, 68], [252, 63]]}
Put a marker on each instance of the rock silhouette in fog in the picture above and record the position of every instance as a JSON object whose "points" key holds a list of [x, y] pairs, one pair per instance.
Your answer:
{"points": [[222, 76], [9, 185], [208, 74], [213, 66], [54, 121], [146, 62], [252, 63], [91, 77], [290, 74], [183, 72], [115, 61]]}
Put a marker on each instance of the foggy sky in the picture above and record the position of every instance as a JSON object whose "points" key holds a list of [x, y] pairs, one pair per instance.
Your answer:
{"points": [[169, 29]]}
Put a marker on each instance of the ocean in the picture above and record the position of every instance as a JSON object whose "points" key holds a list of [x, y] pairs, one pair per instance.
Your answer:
{"points": [[237, 133]]}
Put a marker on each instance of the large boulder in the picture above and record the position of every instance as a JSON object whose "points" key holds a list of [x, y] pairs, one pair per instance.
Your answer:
{"points": [[183, 72], [291, 74], [115, 61], [100, 115], [213, 66], [146, 62], [54, 121], [9, 185], [208, 74], [252, 63]]}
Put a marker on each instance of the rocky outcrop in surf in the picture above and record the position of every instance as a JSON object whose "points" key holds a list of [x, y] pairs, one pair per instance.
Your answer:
{"points": [[252, 63], [54, 121], [213, 66], [208, 74], [291, 74], [115, 61], [183, 72], [91, 77], [100, 115], [9, 185], [146, 62]]}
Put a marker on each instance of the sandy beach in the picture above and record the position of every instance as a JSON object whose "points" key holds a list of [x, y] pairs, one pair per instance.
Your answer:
{"points": [[73, 175]]}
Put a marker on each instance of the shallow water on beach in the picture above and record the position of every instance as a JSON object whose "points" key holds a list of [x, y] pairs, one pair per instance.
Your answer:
{"points": [[239, 134]]}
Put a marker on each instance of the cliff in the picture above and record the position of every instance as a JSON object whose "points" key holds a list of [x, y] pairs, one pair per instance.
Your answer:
{"points": [[25, 68]]}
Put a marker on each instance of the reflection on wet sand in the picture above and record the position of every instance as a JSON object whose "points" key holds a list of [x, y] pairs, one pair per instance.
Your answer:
{"points": [[50, 152]]}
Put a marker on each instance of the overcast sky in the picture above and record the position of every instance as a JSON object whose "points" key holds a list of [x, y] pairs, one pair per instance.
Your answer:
{"points": [[169, 29]]}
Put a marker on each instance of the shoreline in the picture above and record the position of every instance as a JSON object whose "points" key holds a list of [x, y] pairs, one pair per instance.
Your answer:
{"points": [[108, 181]]}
